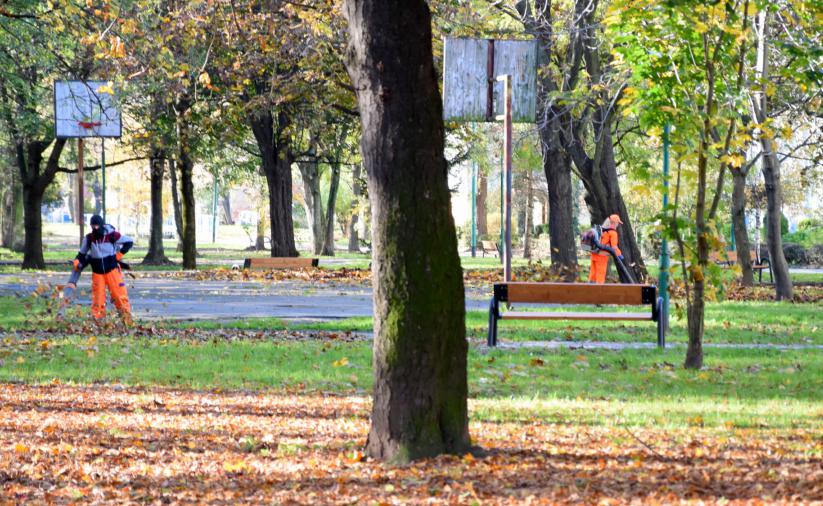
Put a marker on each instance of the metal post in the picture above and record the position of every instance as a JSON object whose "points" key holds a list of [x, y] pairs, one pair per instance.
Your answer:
{"points": [[663, 280], [103, 168], [507, 169], [474, 209], [80, 212], [214, 212]]}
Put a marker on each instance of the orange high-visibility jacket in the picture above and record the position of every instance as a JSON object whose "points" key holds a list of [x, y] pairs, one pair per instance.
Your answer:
{"points": [[609, 238]]}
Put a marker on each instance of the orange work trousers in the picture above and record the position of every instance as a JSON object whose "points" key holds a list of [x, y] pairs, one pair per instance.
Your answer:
{"points": [[599, 266], [117, 288]]}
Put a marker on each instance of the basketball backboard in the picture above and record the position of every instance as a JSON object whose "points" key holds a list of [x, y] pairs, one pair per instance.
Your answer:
{"points": [[471, 91], [86, 109]]}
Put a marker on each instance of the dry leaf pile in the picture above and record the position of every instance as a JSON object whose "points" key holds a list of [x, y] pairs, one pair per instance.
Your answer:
{"points": [[64, 444]]}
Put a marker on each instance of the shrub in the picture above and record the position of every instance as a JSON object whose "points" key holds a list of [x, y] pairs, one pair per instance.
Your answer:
{"points": [[795, 254], [815, 254], [809, 223]]}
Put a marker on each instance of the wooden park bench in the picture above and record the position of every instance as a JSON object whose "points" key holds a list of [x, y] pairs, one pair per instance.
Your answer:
{"points": [[489, 247], [280, 263], [575, 293], [729, 258]]}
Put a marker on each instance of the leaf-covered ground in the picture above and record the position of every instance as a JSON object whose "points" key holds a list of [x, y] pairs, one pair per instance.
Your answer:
{"points": [[63, 444]]}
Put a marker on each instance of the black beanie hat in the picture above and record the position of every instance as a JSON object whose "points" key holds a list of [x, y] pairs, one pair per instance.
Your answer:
{"points": [[97, 220]]}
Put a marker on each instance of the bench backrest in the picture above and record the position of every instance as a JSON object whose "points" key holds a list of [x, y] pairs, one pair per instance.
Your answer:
{"points": [[575, 293], [280, 263], [488, 245], [731, 256]]}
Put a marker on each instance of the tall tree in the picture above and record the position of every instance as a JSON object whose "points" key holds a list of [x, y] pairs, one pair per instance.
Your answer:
{"points": [[418, 288]]}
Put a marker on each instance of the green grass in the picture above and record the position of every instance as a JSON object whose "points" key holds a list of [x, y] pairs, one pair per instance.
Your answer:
{"points": [[740, 388], [725, 322]]}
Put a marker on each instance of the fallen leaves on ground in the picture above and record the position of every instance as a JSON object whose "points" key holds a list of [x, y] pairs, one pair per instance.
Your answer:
{"points": [[67, 444]]}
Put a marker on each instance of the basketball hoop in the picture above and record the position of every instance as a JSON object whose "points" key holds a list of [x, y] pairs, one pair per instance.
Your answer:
{"points": [[88, 125]]}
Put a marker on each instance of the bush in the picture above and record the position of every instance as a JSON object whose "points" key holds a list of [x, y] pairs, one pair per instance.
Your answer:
{"points": [[815, 254], [807, 237], [795, 254], [808, 224]]}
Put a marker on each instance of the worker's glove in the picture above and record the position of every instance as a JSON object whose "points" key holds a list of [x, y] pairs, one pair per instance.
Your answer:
{"points": [[76, 264], [620, 257], [70, 286], [118, 256]]}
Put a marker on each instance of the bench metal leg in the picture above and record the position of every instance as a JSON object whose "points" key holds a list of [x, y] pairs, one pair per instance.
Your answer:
{"points": [[493, 316], [662, 317]]}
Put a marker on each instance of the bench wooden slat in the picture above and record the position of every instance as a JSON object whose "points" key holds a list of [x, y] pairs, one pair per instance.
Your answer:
{"points": [[533, 315], [575, 293], [280, 263]]}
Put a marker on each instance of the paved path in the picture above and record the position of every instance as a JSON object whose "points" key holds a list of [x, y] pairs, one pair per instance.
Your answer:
{"points": [[197, 300]]}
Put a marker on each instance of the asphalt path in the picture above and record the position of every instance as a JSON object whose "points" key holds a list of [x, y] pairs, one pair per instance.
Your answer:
{"points": [[155, 298]]}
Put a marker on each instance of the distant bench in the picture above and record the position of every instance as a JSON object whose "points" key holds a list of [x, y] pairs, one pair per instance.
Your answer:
{"points": [[729, 258], [489, 247], [575, 293], [280, 263]]}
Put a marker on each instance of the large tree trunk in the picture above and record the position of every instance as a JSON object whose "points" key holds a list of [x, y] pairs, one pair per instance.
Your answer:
{"points": [[33, 223], [557, 167], [156, 254], [420, 384], [774, 213], [29, 160], [277, 157], [175, 203], [771, 170], [328, 235], [186, 164], [354, 237], [741, 234]]}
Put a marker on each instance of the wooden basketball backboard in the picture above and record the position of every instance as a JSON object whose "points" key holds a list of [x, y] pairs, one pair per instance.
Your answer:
{"points": [[471, 91], [86, 109]]}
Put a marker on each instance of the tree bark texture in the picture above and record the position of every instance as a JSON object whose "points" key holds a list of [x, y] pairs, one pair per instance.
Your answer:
{"points": [[175, 202], [186, 165], [156, 254], [354, 236], [35, 182], [741, 234], [774, 211], [482, 193], [771, 169], [420, 386], [557, 167], [314, 202], [277, 157]]}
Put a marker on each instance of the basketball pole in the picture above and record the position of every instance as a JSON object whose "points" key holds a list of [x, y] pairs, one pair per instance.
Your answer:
{"points": [[80, 212], [507, 169], [103, 168]]}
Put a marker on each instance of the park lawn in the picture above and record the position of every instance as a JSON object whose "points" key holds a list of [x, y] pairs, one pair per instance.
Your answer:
{"points": [[738, 387], [726, 323]]}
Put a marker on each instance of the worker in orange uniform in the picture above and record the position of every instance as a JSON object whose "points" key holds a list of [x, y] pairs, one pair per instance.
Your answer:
{"points": [[103, 248], [600, 258]]}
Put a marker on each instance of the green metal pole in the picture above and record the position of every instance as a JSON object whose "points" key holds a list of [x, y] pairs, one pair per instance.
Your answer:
{"points": [[103, 169], [474, 209], [214, 212], [663, 281]]}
